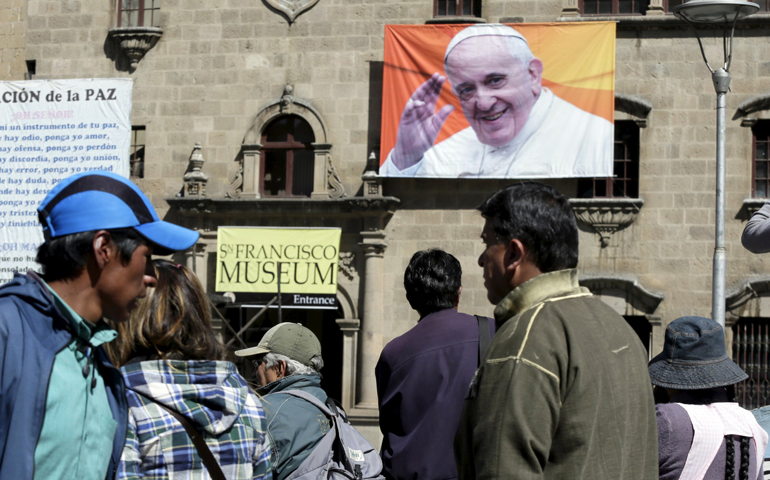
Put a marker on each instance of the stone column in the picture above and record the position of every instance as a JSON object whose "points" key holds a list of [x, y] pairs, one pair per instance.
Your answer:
{"points": [[195, 260], [252, 157], [655, 8], [570, 8], [320, 180], [373, 245], [350, 328]]}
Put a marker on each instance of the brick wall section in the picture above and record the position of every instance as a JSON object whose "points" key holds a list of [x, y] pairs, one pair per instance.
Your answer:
{"points": [[13, 30]]}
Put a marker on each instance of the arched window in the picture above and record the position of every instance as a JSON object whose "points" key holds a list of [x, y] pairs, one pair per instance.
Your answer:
{"points": [[286, 169]]}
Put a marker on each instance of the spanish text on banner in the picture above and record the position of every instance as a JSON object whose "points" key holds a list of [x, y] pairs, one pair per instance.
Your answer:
{"points": [[49, 130]]}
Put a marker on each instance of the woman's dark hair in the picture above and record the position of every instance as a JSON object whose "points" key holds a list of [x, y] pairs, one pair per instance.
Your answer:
{"points": [[540, 218], [64, 257], [730, 458], [432, 280], [173, 322]]}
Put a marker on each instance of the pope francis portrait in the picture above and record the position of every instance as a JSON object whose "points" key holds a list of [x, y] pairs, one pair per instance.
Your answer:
{"points": [[518, 128]]}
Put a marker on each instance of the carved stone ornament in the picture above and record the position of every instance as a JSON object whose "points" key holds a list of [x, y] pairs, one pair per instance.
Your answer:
{"points": [[347, 264], [236, 186], [287, 99], [292, 8], [606, 215], [336, 189], [135, 42], [195, 180]]}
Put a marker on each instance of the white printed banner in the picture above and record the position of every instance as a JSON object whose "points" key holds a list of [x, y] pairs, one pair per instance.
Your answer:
{"points": [[49, 130]]}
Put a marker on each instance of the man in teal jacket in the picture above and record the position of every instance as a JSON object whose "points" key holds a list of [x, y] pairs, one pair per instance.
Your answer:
{"points": [[62, 405], [289, 358]]}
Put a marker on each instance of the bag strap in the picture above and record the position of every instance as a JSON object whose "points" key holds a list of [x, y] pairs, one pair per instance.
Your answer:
{"points": [[200, 445], [484, 338], [310, 398]]}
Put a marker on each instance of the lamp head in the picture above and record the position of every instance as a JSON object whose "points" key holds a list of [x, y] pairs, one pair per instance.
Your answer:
{"points": [[715, 11]]}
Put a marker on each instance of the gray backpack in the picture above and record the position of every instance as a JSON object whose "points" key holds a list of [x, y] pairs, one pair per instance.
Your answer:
{"points": [[342, 454]]}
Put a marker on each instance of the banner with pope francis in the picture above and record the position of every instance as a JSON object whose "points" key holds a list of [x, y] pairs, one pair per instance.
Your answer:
{"points": [[498, 101]]}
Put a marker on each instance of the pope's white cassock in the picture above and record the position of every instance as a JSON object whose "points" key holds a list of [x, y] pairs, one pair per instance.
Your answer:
{"points": [[559, 140]]}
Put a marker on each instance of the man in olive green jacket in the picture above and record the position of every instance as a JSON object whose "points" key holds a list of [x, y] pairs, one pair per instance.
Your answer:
{"points": [[563, 392]]}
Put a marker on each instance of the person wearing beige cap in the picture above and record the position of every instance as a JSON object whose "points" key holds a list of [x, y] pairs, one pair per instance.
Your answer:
{"points": [[289, 358]]}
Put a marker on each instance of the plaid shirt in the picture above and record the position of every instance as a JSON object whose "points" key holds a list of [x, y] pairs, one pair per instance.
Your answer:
{"points": [[215, 398]]}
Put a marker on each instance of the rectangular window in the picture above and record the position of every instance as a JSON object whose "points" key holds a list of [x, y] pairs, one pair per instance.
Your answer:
{"points": [[136, 154], [760, 159], [451, 8], [750, 352], [613, 7], [138, 13], [625, 183]]}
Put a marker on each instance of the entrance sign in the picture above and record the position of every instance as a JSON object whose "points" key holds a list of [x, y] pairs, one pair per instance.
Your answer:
{"points": [[250, 259], [498, 101], [49, 130]]}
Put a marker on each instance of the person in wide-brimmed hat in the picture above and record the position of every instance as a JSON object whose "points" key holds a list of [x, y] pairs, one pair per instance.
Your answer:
{"points": [[702, 432]]}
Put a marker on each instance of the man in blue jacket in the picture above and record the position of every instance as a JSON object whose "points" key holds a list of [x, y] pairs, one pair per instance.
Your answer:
{"points": [[423, 375], [62, 405]]}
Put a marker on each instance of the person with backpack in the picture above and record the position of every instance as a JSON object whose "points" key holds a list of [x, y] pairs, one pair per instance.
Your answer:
{"points": [[289, 357], [423, 375], [702, 432], [309, 434]]}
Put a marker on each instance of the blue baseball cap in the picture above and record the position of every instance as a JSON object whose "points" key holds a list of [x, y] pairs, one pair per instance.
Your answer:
{"points": [[99, 200]]}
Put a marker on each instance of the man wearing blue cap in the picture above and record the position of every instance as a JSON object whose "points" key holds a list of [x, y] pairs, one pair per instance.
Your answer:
{"points": [[62, 405]]}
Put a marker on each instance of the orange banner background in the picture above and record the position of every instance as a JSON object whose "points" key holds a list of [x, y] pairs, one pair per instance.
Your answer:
{"points": [[578, 66]]}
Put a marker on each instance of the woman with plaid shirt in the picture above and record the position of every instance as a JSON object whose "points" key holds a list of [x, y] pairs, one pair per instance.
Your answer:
{"points": [[171, 356]]}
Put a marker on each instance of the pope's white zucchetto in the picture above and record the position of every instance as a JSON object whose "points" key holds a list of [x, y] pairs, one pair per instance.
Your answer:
{"points": [[483, 30]]}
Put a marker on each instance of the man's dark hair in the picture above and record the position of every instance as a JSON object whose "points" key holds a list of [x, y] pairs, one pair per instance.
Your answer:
{"points": [[64, 257], [432, 280], [540, 218]]}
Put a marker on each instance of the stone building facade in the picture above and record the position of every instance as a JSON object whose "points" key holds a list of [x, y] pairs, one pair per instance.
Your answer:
{"points": [[220, 72]]}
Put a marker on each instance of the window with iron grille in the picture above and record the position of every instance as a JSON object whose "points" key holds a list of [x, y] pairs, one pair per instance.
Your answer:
{"points": [[136, 155], [286, 169], [751, 338], [138, 13], [625, 183], [449, 8], [761, 159], [613, 7]]}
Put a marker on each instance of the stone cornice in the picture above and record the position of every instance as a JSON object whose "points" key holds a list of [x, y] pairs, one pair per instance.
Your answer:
{"points": [[667, 22], [641, 298], [281, 207], [749, 290]]}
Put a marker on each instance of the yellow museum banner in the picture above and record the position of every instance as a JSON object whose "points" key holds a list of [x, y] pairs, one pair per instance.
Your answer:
{"points": [[250, 259]]}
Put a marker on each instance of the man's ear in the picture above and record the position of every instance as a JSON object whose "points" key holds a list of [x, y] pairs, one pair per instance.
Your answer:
{"points": [[103, 248], [280, 369], [515, 254], [536, 75]]}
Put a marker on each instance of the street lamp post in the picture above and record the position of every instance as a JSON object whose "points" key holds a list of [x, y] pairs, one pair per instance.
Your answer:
{"points": [[718, 12]]}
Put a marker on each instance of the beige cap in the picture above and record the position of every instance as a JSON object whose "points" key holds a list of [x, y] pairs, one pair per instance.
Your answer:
{"points": [[289, 339]]}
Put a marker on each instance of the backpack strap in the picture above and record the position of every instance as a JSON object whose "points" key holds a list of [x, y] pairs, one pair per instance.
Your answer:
{"points": [[310, 398], [200, 444], [484, 338]]}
